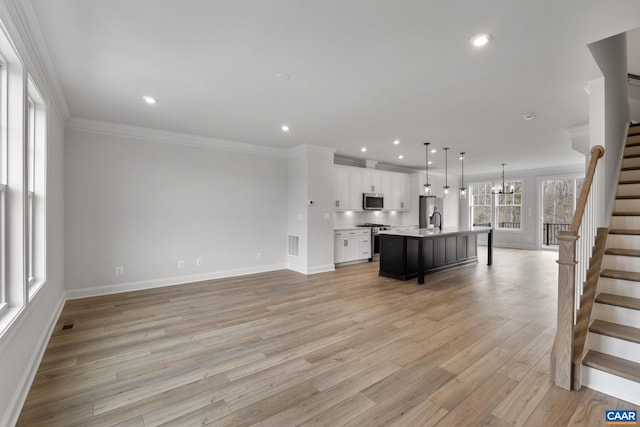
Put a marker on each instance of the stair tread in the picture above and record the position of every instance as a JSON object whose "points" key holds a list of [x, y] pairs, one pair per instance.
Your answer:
{"points": [[630, 232], [615, 330], [630, 168], [629, 181], [618, 300], [628, 197], [620, 274], [631, 156], [613, 365], [623, 252], [622, 213]]}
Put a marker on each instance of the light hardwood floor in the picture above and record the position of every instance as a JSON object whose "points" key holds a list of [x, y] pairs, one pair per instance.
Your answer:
{"points": [[470, 347]]}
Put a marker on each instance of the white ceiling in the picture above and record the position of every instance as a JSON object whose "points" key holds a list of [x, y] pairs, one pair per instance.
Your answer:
{"points": [[363, 72]]}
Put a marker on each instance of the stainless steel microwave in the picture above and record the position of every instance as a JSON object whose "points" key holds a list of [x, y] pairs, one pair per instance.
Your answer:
{"points": [[372, 201]]}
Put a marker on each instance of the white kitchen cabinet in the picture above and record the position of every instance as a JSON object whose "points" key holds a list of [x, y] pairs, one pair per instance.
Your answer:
{"points": [[400, 192], [341, 187], [356, 178], [351, 245], [372, 181], [350, 182], [347, 188]]}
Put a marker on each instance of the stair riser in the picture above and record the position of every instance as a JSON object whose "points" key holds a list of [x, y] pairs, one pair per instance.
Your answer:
{"points": [[630, 151], [625, 288], [620, 262], [614, 346], [629, 175], [626, 222], [612, 385], [615, 314], [632, 162], [628, 190], [632, 205], [623, 241]]}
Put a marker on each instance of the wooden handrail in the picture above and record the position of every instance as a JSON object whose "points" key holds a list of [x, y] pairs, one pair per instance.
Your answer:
{"points": [[563, 361], [596, 153]]}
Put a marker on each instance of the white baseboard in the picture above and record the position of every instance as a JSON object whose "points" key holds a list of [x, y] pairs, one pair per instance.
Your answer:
{"points": [[311, 270], [612, 385], [10, 418], [168, 281]]}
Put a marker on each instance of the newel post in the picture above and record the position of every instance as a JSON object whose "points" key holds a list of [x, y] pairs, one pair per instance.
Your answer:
{"points": [[561, 356]]}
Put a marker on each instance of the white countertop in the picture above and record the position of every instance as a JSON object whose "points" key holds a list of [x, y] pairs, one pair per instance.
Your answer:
{"points": [[430, 232]]}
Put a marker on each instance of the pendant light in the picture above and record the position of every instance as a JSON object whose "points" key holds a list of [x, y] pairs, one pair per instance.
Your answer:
{"points": [[502, 190], [427, 186], [446, 187], [463, 190]]}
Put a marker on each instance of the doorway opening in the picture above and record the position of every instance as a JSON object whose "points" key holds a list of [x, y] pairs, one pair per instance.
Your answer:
{"points": [[558, 203]]}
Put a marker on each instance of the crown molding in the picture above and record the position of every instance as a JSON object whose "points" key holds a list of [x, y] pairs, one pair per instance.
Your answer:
{"points": [[310, 148], [24, 29], [167, 137]]}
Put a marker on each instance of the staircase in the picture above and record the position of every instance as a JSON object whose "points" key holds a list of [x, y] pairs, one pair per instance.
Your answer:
{"points": [[612, 362]]}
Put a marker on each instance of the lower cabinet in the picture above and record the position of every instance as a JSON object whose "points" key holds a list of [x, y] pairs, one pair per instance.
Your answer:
{"points": [[351, 245]]}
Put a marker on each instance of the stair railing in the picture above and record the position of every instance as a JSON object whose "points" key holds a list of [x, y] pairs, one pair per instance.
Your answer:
{"points": [[574, 255]]}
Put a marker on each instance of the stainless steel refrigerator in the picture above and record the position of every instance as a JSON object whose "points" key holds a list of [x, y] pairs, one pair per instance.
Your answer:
{"points": [[428, 204]]}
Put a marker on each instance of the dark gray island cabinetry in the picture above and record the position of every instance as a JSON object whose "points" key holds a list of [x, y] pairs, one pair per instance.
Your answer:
{"points": [[406, 254]]}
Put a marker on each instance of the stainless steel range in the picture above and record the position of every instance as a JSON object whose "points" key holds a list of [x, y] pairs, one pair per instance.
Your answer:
{"points": [[375, 238]]}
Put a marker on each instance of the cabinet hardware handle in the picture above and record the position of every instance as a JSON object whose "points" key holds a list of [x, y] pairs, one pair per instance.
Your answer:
{"points": [[337, 203], [346, 243]]}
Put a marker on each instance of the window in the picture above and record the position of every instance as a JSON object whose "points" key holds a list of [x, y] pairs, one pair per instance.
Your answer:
{"points": [[3, 186], [35, 179], [509, 207], [503, 211], [481, 204], [22, 186]]}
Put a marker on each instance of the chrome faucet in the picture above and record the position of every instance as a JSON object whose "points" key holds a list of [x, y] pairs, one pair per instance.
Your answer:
{"points": [[433, 221]]}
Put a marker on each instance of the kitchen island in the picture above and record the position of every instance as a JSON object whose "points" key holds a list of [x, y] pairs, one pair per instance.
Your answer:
{"points": [[405, 254]]}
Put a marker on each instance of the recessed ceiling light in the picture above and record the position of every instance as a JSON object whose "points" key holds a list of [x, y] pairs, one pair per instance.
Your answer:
{"points": [[401, 157], [480, 40], [363, 149], [149, 99], [284, 128], [396, 142], [528, 116], [430, 162], [433, 150]]}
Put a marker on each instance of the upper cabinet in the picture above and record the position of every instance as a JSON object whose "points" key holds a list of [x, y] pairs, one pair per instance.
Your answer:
{"points": [[372, 180], [350, 182], [401, 191], [347, 188], [341, 187]]}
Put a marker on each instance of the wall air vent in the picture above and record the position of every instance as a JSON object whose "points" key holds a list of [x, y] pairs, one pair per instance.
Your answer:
{"points": [[294, 245]]}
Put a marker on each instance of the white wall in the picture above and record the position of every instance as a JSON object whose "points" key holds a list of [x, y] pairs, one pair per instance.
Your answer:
{"points": [[144, 205], [611, 56], [310, 177], [24, 342]]}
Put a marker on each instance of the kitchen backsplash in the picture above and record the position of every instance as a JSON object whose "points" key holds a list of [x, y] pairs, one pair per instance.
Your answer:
{"points": [[348, 219]]}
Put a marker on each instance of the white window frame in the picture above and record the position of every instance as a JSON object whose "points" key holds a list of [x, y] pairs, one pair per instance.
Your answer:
{"points": [[499, 202], [495, 202], [36, 172], [3, 188], [472, 193]]}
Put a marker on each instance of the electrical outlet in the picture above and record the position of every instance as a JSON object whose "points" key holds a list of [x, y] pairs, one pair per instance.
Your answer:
{"points": [[181, 263], [259, 256], [198, 262], [119, 270]]}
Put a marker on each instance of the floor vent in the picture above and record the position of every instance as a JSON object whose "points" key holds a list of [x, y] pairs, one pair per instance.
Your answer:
{"points": [[67, 326], [294, 245]]}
